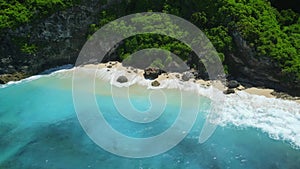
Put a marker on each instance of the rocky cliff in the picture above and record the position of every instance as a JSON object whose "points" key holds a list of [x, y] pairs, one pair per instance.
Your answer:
{"points": [[45, 43], [57, 40], [246, 67]]}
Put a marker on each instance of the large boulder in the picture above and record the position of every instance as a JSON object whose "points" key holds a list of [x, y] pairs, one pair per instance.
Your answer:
{"points": [[233, 84], [122, 79], [155, 83], [152, 73], [186, 76], [229, 91]]}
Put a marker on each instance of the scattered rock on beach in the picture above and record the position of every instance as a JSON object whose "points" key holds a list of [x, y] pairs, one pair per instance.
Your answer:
{"points": [[112, 63], [284, 96], [155, 83], [240, 87], [229, 91], [233, 84], [122, 79], [152, 73], [186, 76], [194, 72]]}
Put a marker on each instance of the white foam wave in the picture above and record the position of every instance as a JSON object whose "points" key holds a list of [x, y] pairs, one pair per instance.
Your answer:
{"points": [[133, 78], [35, 77], [279, 118], [10, 83], [113, 74], [58, 68]]}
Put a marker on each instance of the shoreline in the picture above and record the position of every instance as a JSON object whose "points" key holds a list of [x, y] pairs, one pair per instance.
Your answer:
{"points": [[266, 92]]}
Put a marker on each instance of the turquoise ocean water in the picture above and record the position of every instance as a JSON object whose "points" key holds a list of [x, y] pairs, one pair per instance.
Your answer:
{"points": [[39, 129]]}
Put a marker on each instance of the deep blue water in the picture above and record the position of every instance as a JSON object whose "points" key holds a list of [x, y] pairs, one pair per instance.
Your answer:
{"points": [[39, 129]]}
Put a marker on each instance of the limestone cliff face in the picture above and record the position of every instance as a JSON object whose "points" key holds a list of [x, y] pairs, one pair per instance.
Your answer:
{"points": [[55, 40], [246, 67]]}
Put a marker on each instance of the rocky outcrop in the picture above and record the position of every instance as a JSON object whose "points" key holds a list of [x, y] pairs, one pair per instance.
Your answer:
{"points": [[229, 91], [152, 73], [250, 70], [284, 96], [232, 84], [186, 76]]}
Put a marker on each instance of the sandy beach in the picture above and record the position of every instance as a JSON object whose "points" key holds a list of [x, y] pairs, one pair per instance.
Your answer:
{"points": [[258, 91], [129, 70]]}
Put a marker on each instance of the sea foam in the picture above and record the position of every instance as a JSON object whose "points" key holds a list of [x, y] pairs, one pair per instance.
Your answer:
{"points": [[280, 119], [51, 72], [11, 83]]}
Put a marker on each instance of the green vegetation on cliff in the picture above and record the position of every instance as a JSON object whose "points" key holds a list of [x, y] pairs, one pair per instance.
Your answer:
{"points": [[16, 12], [268, 31], [271, 33]]}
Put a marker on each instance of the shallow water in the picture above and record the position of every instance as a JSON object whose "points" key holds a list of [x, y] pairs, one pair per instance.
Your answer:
{"points": [[39, 129]]}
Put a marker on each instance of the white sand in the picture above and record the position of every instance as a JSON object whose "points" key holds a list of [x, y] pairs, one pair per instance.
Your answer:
{"points": [[219, 85], [262, 92]]}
